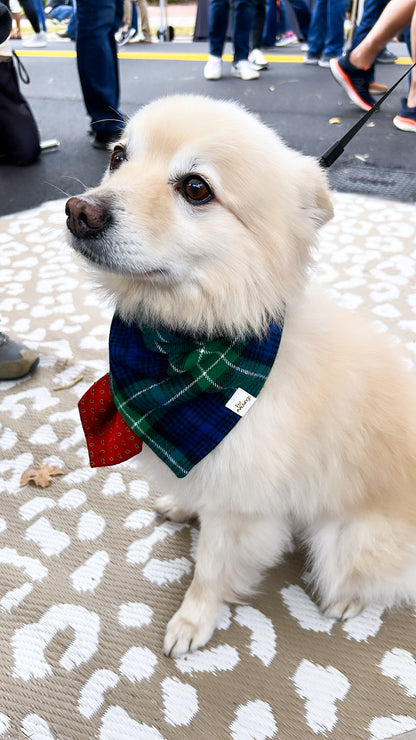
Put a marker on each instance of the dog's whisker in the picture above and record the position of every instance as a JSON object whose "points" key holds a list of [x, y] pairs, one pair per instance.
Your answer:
{"points": [[52, 184], [108, 120], [76, 179]]}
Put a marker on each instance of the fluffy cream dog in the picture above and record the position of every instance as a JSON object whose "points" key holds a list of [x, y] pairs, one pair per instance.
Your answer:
{"points": [[204, 223]]}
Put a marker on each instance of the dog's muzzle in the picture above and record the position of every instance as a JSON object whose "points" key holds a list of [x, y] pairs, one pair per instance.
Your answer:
{"points": [[86, 217]]}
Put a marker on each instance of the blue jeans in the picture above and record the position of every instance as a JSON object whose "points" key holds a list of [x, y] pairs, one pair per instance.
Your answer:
{"points": [[60, 12], [72, 25], [326, 32], [275, 26], [243, 15], [41, 13], [97, 62], [372, 11], [258, 23]]}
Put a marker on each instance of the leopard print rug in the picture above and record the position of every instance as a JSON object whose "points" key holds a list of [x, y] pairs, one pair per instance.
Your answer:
{"points": [[89, 575]]}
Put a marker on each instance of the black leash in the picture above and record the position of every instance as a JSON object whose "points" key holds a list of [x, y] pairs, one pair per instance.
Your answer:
{"points": [[21, 69], [335, 151]]}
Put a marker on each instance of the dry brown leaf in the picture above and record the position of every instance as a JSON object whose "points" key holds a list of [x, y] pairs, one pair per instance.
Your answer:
{"points": [[41, 476], [69, 385]]}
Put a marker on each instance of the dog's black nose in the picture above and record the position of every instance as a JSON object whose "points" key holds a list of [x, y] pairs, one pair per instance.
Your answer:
{"points": [[85, 216]]}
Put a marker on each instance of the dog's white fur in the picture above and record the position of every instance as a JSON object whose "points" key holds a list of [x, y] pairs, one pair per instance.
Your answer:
{"points": [[328, 450]]}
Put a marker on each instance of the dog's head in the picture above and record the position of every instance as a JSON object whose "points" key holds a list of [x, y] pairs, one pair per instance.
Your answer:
{"points": [[204, 220]]}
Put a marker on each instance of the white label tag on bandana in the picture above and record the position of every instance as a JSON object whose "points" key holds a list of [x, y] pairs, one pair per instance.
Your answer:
{"points": [[240, 402]]}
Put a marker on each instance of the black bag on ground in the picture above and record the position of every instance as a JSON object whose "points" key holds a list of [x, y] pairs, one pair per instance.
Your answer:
{"points": [[19, 135]]}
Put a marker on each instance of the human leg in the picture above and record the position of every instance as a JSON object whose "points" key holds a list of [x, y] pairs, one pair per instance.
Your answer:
{"points": [[72, 25], [127, 13], [411, 98], [242, 24], [141, 6], [317, 29], [334, 40], [98, 65], [41, 13], [395, 17], [39, 37], [17, 34], [217, 26], [256, 56], [285, 31], [31, 14], [353, 72], [283, 23], [258, 23], [370, 16], [219, 11], [406, 118], [303, 16]]}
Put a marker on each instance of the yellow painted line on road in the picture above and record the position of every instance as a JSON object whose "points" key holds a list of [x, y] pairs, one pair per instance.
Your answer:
{"points": [[149, 55], [46, 53], [172, 56], [286, 58]]}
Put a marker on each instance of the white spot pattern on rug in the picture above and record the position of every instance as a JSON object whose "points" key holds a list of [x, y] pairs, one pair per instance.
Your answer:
{"points": [[321, 688]]}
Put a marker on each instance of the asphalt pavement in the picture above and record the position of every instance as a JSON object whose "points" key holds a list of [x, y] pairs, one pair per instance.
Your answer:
{"points": [[297, 100]]}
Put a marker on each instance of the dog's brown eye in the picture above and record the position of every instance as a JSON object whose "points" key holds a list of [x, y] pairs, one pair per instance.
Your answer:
{"points": [[196, 190], [117, 158]]}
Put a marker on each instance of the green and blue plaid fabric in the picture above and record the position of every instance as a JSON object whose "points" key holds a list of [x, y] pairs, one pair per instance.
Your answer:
{"points": [[172, 388]]}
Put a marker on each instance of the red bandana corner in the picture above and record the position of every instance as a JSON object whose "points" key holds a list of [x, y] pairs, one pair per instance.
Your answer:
{"points": [[110, 440]]}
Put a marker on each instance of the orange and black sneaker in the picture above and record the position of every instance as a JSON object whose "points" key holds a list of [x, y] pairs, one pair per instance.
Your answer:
{"points": [[406, 117], [354, 81]]}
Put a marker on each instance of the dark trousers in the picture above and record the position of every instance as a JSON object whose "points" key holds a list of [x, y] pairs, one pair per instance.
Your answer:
{"points": [[31, 14], [243, 15], [258, 24], [98, 20]]}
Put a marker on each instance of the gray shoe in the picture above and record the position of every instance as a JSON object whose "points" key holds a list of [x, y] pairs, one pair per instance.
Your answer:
{"points": [[16, 360]]}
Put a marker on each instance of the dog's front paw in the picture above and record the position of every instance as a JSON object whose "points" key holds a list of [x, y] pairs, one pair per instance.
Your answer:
{"points": [[167, 507], [184, 635], [344, 608]]}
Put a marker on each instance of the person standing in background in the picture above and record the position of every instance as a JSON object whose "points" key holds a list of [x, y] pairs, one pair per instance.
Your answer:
{"points": [[39, 38], [127, 31], [353, 71], [243, 16], [98, 21], [256, 56], [326, 32]]}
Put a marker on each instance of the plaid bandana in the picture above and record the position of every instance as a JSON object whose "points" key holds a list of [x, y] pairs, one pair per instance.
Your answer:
{"points": [[178, 393]]}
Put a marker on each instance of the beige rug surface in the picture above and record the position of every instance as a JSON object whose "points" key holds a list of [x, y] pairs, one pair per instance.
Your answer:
{"points": [[89, 576]]}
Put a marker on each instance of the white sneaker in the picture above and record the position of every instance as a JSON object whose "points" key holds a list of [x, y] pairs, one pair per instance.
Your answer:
{"points": [[244, 70], [213, 68], [286, 38], [258, 60], [37, 40]]}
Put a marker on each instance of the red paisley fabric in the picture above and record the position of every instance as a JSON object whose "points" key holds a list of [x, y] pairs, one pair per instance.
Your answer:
{"points": [[110, 440]]}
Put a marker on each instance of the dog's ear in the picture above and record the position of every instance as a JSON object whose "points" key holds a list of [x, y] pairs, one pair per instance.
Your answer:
{"points": [[314, 191]]}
